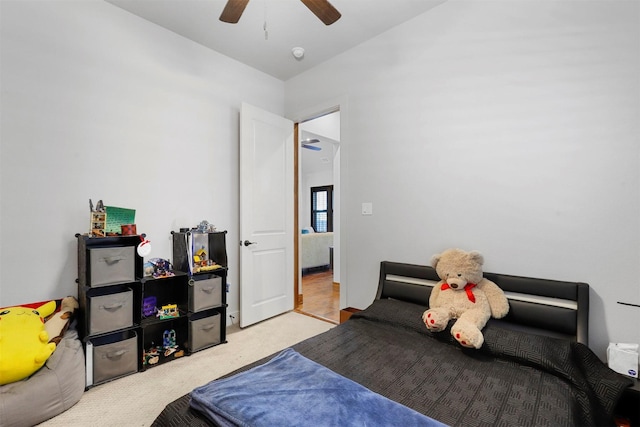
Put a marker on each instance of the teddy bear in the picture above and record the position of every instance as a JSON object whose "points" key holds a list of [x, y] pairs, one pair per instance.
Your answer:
{"points": [[463, 294]]}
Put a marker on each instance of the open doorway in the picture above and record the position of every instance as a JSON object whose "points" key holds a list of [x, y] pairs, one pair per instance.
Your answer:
{"points": [[318, 188]]}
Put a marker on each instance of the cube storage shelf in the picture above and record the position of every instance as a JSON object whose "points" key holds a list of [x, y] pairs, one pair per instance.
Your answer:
{"points": [[119, 323], [207, 296], [164, 335]]}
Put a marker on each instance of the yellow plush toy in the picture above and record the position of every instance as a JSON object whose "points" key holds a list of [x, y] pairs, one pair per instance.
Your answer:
{"points": [[24, 342]]}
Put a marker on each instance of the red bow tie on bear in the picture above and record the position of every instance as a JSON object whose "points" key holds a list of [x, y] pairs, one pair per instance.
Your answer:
{"points": [[468, 289]]}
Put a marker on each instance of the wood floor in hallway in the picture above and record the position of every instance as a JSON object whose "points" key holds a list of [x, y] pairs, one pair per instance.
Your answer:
{"points": [[321, 298]]}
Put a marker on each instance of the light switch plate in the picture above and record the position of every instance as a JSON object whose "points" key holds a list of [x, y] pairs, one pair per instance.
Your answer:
{"points": [[367, 208]]}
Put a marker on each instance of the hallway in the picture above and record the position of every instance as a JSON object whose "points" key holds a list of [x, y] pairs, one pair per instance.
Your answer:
{"points": [[321, 298]]}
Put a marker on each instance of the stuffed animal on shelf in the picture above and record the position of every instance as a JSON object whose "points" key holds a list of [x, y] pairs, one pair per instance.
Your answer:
{"points": [[24, 342], [463, 294]]}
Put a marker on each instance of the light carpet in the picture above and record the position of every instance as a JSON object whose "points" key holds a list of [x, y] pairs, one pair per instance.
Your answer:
{"points": [[136, 400]]}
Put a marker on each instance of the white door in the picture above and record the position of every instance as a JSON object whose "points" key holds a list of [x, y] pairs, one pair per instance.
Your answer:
{"points": [[266, 215]]}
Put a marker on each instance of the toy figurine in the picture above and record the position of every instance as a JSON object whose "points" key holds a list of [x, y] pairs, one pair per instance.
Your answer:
{"points": [[169, 338], [201, 263], [168, 311], [161, 268], [98, 219], [206, 227], [169, 342], [149, 306], [151, 356]]}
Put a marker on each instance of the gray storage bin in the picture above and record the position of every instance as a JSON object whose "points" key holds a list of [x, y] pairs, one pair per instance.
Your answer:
{"points": [[204, 294], [110, 311], [204, 332], [115, 359], [111, 265]]}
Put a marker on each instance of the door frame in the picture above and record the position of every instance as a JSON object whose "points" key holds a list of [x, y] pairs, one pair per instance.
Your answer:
{"points": [[302, 115], [297, 296]]}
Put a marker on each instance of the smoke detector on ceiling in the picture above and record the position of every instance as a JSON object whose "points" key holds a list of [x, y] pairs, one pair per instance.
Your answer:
{"points": [[298, 52]]}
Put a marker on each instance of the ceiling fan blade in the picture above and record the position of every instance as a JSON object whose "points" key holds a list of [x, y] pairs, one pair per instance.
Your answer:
{"points": [[311, 147], [323, 10], [233, 11]]}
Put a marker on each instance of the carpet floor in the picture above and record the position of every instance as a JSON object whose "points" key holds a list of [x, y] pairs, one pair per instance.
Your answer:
{"points": [[136, 400]]}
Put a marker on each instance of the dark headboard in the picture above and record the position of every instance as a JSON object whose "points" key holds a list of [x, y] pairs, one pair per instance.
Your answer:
{"points": [[541, 306]]}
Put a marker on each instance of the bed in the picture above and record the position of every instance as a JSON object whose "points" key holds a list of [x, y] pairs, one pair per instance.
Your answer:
{"points": [[535, 367]]}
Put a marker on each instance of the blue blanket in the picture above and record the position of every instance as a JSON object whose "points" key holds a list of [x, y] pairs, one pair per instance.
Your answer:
{"points": [[293, 390]]}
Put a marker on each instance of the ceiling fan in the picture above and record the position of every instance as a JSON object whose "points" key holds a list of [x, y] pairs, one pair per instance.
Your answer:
{"points": [[305, 143], [321, 8]]}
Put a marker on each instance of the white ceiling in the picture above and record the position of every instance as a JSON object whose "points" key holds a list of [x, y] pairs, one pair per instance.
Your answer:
{"points": [[325, 129], [289, 24]]}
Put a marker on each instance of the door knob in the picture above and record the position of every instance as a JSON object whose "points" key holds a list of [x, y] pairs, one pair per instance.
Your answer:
{"points": [[247, 243]]}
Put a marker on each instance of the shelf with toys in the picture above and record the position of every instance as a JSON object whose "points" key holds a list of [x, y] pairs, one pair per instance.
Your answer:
{"points": [[164, 341], [164, 318], [201, 253], [134, 314], [199, 250]]}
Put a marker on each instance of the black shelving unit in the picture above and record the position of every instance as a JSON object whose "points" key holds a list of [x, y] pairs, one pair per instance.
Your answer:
{"points": [[164, 338], [109, 272], [117, 330], [207, 285]]}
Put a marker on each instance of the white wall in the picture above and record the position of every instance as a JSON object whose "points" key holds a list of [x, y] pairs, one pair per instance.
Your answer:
{"points": [[510, 127], [98, 103]]}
